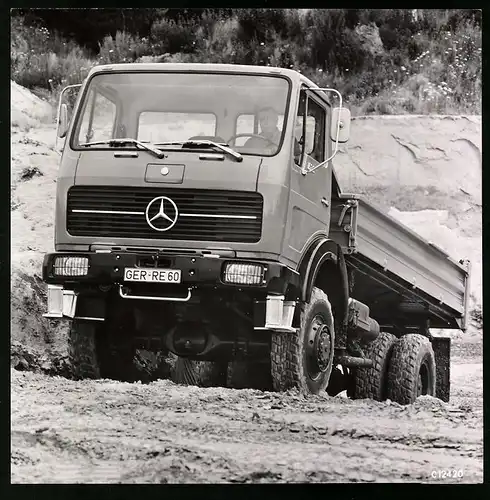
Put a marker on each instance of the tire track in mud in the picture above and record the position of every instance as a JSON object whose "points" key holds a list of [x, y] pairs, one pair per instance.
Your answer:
{"points": [[104, 431]]}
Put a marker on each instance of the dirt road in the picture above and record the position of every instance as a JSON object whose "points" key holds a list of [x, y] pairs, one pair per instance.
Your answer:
{"points": [[102, 431]]}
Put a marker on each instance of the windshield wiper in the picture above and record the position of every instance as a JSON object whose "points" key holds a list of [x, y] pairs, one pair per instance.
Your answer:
{"points": [[238, 157], [121, 142]]}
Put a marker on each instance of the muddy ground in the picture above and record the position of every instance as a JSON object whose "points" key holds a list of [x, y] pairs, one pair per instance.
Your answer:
{"points": [[65, 431], [103, 431]]}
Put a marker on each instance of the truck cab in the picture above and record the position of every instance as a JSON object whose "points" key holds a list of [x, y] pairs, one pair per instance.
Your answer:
{"points": [[194, 212]]}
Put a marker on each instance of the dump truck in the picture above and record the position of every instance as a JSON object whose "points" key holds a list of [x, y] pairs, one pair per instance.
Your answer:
{"points": [[199, 214]]}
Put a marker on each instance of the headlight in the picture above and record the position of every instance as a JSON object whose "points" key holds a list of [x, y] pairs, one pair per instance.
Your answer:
{"points": [[70, 266], [243, 274]]}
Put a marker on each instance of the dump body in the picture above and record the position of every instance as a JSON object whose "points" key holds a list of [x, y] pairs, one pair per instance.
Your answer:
{"points": [[401, 273]]}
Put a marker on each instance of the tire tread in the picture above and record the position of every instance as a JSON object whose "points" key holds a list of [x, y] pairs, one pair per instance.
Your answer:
{"points": [[82, 350], [371, 382], [408, 353]]}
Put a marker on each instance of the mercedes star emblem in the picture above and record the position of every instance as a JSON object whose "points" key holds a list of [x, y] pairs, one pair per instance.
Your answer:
{"points": [[161, 213]]}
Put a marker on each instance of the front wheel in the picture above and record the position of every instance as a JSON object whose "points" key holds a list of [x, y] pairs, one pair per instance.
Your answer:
{"points": [[412, 371], [83, 350], [305, 360]]}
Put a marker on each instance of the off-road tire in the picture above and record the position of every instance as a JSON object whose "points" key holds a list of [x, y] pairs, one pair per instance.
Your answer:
{"points": [[371, 383], [288, 350], [82, 350], [249, 375], [412, 354], [199, 373]]}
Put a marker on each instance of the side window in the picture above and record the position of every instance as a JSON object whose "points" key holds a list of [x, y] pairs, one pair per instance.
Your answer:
{"points": [[315, 129], [98, 119], [247, 124]]}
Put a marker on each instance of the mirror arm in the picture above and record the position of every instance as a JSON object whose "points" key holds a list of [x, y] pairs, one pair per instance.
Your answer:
{"points": [[90, 132], [323, 163]]}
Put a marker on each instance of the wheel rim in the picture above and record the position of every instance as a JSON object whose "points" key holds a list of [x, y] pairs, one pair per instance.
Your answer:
{"points": [[423, 380], [318, 348]]}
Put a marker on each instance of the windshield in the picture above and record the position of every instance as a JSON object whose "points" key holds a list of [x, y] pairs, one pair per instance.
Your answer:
{"points": [[245, 112]]}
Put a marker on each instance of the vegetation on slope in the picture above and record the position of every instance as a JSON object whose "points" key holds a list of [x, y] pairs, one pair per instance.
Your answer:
{"points": [[384, 61]]}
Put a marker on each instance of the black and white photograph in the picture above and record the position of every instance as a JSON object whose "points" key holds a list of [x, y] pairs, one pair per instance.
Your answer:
{"points": [[246, 246]]}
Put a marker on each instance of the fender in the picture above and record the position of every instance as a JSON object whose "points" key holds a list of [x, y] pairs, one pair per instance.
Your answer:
{"points": [[320, 249], [323, 263]]}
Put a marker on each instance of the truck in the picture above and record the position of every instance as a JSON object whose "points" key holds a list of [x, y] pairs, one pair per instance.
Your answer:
{"points": [[198, 213]]}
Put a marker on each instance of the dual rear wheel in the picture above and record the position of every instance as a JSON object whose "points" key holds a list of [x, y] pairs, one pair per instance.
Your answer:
{"points": [[403, 369]]}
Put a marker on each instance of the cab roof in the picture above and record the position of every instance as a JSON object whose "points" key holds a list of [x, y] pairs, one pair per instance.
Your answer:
{"points": [[295, 76]]}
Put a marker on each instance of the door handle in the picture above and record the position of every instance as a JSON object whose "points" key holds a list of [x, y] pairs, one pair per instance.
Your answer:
{"points": [[325, 202]]}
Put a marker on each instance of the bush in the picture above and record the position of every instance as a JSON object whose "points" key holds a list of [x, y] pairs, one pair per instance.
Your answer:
{"points": [[41, 59], [122, 48], [171, 36], [258, 24], [217, 40]]}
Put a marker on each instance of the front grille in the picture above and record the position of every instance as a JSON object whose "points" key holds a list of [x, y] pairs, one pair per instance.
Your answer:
{"points": [[204, 215]]}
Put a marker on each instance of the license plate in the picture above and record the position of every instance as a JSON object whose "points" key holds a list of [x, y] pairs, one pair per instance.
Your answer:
{"points": [[152, 275]]}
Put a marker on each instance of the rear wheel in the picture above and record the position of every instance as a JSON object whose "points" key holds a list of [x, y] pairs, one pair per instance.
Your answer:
{"points": [[200, 373], [304, 360], [371, 383], [412, 371]]}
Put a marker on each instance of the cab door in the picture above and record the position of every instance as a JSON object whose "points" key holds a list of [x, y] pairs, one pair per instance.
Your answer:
{"points": [[309, 206]]}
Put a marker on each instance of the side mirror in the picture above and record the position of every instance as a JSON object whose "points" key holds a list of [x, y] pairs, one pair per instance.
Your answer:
{"points": [[343, 116], [63, 121]]}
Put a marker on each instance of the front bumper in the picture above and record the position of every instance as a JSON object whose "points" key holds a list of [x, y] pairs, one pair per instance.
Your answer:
{"points": [[198, 273], [197, 270]]}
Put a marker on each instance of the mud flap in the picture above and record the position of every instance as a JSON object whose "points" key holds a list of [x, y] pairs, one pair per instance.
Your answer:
{"points": [[442, 353]]}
